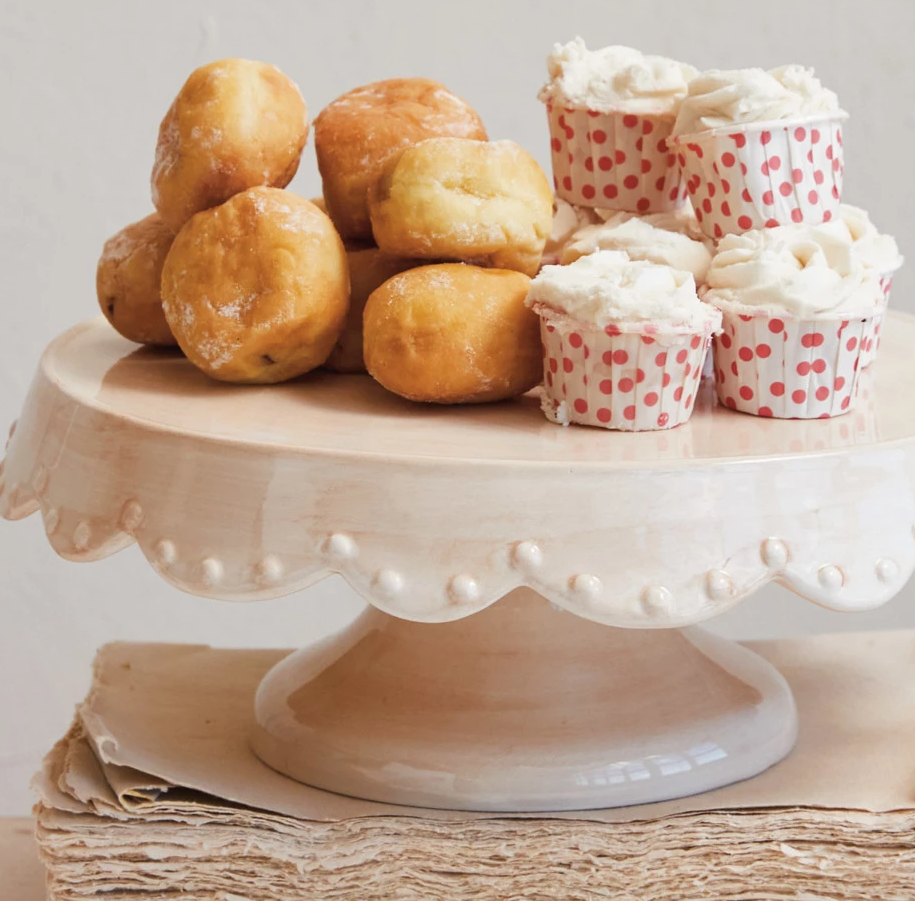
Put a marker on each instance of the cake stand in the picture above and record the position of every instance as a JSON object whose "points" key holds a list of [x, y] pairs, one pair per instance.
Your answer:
{"points": [[530, 641]]}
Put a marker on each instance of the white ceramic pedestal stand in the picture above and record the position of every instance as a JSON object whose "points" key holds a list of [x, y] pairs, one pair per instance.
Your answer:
{"points": [[441, 694]]}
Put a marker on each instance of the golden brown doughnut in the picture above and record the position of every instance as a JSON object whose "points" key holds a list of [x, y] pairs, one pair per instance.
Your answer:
{"points": [[369, 268], [454, 199], [235, 124], [127, 281], [453, 334], [256, 290], [356, 133]]}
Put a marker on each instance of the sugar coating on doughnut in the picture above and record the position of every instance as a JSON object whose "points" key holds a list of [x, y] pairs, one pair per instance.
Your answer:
{"points": [[127, 281], [235, 124], [357, 132], [369, 268], [447, 198], [257, 290], [452, 334]]}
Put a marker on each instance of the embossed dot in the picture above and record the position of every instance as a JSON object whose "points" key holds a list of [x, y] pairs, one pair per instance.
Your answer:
{"points": [[341, 547], [131, 516], [527, 555], [82, 535], [270, 570], [774, 553], [887, 570], [719, 584], [463, 589], [211, 571], [388, 583], [830, 577], [657, 600], [40, 480], [166, 552], [51, 521], [586, 585]]}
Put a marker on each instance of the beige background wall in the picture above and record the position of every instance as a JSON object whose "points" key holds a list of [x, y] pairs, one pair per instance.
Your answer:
{"points": [[82, 89]]}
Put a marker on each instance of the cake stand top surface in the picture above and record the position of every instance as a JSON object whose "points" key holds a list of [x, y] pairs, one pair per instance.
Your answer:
{"points": [[432, 513], [329, 414]]}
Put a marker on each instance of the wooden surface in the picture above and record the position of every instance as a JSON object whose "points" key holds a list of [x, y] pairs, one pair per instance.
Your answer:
{"points": [[21, 875]]}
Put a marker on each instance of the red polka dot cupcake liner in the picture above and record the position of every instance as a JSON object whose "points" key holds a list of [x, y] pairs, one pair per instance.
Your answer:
{"points": [[635, 377], [788, 368], [614, 161], [872, 343], [764, 174]]}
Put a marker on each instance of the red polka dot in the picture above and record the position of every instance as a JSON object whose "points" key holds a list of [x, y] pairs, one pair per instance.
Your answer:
{"points": [[659, 184], [822, 392], [647, 339], [598, 136], [567, 183], [772, 223], [606, 386], [651, 398], [663, 419], [587, 351], [739, 139], [610, 191], [629, 413], [682, 356], [846, 403], [776, 326], [549, 379], [567, 364], [603, 414], [764, 411], [839, 383], [665, 381], [619, 156], [785, 188], [730, 402], [797, 176], [630, 121], [809, 156], [678, 394], [733, 368], [620, 357], [744, 222], [818, 177], [799, 396], [745, 354], [646, 166], [695, 342], [554, 364], [725, 340], [707, 205], [688, 371], [764, 168], [581, 406], [768, 198], [647, 127], [626, 384], [588, 192], [673, 193], [605, 163], [726, 208], [556, 144], [797, 215], [765, 137], [711, 189], [775, 163], [698, 213], [800, 133], [661, 359], [728, 159], [640, 375], [829, 152], [777, 389], [763, 351], [814, 136], [803, 368], [681, 160], [746, 392], [718, 232], [631, 181], [575, 339], [589, 164], [852, 343], [835, 192], [643, 204], [813, 340], [813, 197]]}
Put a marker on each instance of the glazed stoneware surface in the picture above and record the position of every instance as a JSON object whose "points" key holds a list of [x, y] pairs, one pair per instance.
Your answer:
{"points": [[432, 513]]}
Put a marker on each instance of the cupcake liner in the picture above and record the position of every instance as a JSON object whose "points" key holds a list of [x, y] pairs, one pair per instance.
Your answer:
{"points": [[872, 342], [614, 161], [786, 367], [764, 174], [633, 377]]}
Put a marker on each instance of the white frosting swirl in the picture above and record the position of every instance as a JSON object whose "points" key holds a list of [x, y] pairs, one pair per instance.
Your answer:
{"points": [[615, 79], [567, 219], [875, 250], [666, 238], [793, 270], [721, 98], [607, 286]]}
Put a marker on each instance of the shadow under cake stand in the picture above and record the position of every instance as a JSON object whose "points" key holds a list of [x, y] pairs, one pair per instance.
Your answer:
{"points": [[588, 684]]}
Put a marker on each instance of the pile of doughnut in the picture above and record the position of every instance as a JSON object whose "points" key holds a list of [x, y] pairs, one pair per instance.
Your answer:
{"points": [[414, 265]]}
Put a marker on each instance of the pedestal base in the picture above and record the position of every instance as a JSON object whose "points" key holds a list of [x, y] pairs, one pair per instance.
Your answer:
{"points": [[521, 708]]}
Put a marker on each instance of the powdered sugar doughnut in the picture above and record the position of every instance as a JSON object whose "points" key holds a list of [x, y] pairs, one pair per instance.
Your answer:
{"points": [[128, 278], [257, 289], [234, 125]]}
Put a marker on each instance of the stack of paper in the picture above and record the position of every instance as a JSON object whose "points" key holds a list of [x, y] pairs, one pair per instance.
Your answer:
{"points": [[155, 793]]}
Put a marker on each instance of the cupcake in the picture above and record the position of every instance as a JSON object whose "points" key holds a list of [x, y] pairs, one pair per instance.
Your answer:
{"points": [[760, 149], [795, 322], [670, 239], [610, 113], [567, 220], [624, 341]]}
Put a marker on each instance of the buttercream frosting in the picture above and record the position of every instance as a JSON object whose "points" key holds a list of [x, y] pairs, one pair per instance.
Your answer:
{"points": [[614, 79], [720, 98], [787, 269], [607, 286]]}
